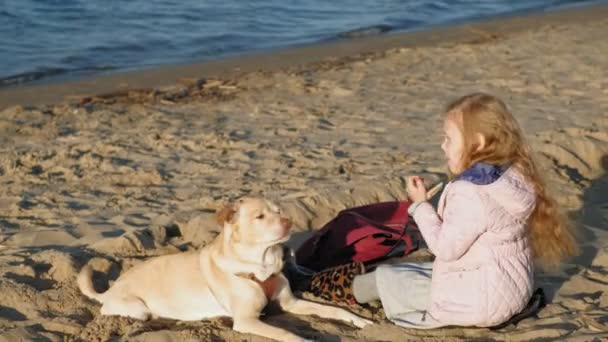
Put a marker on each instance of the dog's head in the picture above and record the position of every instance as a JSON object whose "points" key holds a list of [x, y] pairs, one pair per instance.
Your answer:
{"points": [[255, 221]]}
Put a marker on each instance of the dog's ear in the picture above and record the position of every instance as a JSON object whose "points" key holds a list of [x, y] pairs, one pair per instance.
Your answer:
{"points": [[226, 214]]}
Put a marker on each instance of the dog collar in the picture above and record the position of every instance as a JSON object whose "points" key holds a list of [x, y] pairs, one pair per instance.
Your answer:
{"points": [[269, 286]]}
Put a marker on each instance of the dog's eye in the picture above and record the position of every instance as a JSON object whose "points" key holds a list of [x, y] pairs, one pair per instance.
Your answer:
{"points": [[259, 217]]}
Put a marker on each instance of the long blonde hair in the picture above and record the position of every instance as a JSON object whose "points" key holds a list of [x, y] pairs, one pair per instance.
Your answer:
{"points": [[481, 114]]}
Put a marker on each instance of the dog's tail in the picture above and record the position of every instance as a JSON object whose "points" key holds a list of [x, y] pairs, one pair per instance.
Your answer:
{"points": [[85, 284]]}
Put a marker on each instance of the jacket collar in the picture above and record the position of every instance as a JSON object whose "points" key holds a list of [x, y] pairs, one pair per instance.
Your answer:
{"points": [[482, 173]]}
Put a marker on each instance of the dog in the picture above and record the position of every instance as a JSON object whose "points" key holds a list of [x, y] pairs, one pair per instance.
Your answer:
{"points": [[236, 275]]}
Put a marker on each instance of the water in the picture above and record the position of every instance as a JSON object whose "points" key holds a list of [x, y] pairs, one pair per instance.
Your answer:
{"points": [[52, 39]]}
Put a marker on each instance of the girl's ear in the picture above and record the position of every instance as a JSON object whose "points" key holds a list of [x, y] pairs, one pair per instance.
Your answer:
{"points": [[226, 214], [481, 142]]}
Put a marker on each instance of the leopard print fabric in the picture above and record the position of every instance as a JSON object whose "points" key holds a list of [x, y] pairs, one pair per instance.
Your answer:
{"points": [[336, 284]]}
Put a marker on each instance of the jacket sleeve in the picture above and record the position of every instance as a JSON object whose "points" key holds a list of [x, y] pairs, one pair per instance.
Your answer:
{"points": [[464, 219]]}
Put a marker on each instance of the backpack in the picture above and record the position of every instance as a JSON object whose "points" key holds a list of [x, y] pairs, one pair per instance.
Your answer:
{"points": [[365, 234]]}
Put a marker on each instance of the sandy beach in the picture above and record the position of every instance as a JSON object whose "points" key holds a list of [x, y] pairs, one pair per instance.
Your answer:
{"points": [[113, 179]]}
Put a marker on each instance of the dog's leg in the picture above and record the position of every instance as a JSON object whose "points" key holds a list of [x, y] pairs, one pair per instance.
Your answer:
{"points": [[126, 306], [252, 325], [246, 316], [298, 306]]}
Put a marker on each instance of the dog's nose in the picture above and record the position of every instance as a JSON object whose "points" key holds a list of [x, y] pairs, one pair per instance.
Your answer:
{"points": [[286, 223]]}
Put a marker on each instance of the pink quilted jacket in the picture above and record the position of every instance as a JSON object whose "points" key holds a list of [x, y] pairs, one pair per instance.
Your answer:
{"points": [[483, 269]]}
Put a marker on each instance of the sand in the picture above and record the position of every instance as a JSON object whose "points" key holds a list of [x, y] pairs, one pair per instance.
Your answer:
{"points": [[112, 180]]}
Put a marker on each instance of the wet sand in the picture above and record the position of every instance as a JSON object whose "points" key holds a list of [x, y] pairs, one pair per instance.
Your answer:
{"points": [[294, 58]]}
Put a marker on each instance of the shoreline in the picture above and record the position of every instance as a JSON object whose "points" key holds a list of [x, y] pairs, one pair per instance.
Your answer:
{"points": [[294, 57]]}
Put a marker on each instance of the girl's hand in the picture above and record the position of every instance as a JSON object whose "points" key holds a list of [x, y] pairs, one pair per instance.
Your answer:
{"points": [[416, 191]]}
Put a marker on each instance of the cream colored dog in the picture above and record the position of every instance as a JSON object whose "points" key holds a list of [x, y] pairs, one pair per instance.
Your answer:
{"points": [[236, 275]]}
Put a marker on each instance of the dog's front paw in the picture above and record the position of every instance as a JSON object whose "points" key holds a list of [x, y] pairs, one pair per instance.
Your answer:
{"points": [[308, 339], [360, 322]]}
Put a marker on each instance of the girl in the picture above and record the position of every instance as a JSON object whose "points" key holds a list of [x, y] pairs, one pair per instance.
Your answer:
{"points": [[495, 219]]}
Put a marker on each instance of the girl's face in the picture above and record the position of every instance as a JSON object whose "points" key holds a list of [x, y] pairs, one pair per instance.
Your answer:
{"points": [[453, 145]]}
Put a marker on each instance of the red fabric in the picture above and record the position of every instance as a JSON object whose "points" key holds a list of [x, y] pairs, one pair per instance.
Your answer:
{"points": [[363, 234], [269, 286]]}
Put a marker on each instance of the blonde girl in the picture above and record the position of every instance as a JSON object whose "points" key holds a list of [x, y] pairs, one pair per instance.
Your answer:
{"points": [[494, 221]]}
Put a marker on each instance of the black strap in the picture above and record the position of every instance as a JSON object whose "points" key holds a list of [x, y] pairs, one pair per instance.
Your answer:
{"points": [[376, 223], [388, 254], [535, 304]]}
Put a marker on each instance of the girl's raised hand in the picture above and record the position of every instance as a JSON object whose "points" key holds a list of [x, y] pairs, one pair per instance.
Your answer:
{"points": [[416, 191]]}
